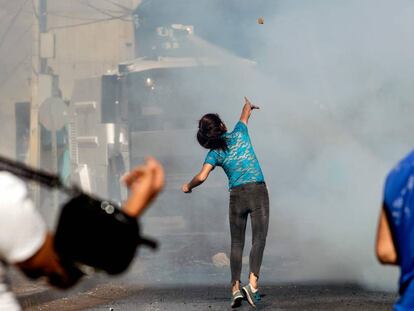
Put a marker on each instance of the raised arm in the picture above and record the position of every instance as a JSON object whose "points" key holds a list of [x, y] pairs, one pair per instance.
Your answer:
{"points": [[198, 179], [247, 110], [385, 248], [145, 182]]}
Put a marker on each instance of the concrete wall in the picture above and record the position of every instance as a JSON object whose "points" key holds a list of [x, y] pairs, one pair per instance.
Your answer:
{"points": [[105, 39], [92, 36]]}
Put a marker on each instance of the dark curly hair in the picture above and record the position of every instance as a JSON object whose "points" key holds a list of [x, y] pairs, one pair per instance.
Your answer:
{"points": [[210, 131]]}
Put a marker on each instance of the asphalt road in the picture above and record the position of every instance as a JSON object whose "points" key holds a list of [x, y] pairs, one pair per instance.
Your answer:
{"points": [[117, 296], [182, 275]]}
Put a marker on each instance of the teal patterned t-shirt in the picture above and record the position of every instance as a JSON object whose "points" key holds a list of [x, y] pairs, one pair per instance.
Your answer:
{"points": [[239, 161]]}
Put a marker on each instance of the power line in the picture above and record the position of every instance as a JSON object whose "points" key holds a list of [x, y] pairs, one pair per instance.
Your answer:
{"points": [[28, 11], [19, 38], [13, 71], [124, 8], [13, 20], [100, 10], [73, 17], [90, 23], [95, 21]]}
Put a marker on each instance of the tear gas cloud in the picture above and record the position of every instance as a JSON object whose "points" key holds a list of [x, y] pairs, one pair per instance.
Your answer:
{"points": [[334, 82], [334, 85]]}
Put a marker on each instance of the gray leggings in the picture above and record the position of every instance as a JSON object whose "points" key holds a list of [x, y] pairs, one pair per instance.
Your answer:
{"points": [[253, 199]]}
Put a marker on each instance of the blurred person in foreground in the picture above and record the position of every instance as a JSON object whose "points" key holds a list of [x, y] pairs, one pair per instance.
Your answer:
{"points": [[234, 152], [26, 243], [395, 234]]}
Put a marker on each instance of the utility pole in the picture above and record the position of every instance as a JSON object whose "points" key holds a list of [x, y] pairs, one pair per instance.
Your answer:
{"points": [[42, 29], [39, 68]]}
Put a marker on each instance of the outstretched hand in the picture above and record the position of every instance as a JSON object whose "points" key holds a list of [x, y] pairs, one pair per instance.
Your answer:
{"points": [[247, 102], [247, 110], [145, 182]]}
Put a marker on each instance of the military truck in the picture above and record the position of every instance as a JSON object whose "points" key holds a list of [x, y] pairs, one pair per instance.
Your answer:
{"points": [[151, 107]]}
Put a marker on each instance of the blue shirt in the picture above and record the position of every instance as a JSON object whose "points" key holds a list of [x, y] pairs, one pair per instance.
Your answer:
{"points": [[399, 207], [239, 161]]}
